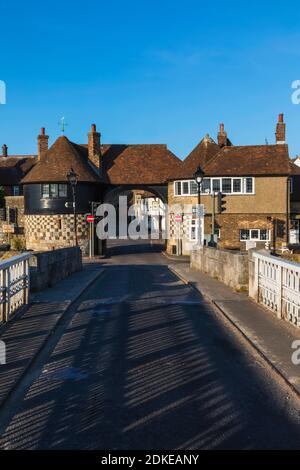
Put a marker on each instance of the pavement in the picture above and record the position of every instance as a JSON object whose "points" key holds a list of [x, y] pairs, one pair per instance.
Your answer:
{"points": [[26, 335], [270, 336], [144, 361]]}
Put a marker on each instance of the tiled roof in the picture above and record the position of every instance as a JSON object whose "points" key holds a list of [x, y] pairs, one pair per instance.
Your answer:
{"points": [[250, 160], [14, 168], [138, 164], [200, 155], [60, 158], [295, 169]]}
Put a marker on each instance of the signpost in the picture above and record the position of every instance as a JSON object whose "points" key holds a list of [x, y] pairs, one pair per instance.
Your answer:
{"points": [[8, 228]]}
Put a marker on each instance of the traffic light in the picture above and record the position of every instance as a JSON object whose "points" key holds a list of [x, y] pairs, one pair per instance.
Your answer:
{"points": [[221, 202]]}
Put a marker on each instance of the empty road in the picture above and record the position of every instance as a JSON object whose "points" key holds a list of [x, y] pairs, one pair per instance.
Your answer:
{"points": [[145, 363]]}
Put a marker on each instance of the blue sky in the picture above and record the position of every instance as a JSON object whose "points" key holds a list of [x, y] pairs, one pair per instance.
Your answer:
{"points": [[144, 71]]}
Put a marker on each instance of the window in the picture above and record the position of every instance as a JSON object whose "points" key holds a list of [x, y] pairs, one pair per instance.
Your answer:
{"points": [[255, 234], [193, 187], [244, 235], [236, 185], [177, 188], [54, 190], [249, 185], [205, 187], [185, 188], [16, 190], [226, 185], [216, 185], [62, 190], [45, 191]]}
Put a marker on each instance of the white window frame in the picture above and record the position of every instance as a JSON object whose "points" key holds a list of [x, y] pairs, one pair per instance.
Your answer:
{"points": [[259, 235], [245, 185], [242, 183], [220, 179]]}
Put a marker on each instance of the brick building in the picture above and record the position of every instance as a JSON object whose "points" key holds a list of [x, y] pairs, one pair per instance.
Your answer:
{"points": [[103, 171], [12, 169], [246, 190]]}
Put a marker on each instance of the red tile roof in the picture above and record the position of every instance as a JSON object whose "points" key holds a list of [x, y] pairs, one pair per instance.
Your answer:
{"points": [[14, 168], [138, 164], [60, 158], [250, 160]]}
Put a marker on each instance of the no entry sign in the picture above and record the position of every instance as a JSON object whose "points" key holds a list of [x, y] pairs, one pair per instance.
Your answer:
{"points": [[178, 218], [90, 219]]}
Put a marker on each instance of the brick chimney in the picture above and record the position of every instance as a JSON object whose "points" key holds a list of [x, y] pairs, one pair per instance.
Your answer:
{"points": [[280, 130], [4, 150], [222, 136], [42, 144], [94, 147]]}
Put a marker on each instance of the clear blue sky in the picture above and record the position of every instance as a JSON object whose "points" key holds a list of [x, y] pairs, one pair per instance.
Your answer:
{"points": [[146, 71]]}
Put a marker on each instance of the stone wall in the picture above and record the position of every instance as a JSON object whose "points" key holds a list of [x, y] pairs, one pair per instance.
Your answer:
{"points": [[49, 267], [232, 268], [49, 232]]}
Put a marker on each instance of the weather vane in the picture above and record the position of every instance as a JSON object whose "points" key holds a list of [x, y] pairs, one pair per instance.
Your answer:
{"points": [[63, 124]]}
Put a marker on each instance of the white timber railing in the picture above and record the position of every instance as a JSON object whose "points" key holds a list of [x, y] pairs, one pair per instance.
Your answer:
{"points": [[277, 286], [14, 285]]}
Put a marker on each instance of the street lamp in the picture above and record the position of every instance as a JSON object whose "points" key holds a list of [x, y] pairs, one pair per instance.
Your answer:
{"points": [[73, 180], [198, 177]]}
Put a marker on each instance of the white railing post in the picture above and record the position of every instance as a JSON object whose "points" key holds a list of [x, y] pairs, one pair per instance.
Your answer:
{"points": [[279, 287], [14, 285], [278, 284]]}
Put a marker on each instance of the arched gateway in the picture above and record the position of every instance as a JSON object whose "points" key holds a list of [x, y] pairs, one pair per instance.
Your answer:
{"points": [[101, 171]]}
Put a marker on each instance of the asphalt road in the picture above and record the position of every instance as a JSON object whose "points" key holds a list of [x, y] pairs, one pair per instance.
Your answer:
{"points": [[146, 363]]}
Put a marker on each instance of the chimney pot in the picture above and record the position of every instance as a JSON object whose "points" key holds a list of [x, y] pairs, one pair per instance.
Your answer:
{"points": [[94, 147], [280, 130], [42, 144], [4, 150], [222, 136]]}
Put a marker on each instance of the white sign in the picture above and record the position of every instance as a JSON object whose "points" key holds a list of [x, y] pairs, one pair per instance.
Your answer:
{"points": [[250, 244], [294, 236]]}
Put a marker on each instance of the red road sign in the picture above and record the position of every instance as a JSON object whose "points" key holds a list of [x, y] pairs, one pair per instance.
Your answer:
{"points": [[90, 219], [178, 218]]}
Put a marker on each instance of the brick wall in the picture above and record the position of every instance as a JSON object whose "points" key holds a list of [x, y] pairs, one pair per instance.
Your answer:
{"points": [[242, 212]]}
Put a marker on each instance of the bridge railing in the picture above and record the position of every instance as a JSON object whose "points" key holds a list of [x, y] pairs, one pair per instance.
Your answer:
{"points": [[14, 285], [278, 286]]}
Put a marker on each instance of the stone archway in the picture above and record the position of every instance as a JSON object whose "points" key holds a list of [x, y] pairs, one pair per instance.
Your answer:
{"points": [[144, 199]]}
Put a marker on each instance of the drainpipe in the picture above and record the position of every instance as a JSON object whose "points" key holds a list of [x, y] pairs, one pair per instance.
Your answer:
{"points": [[288, 209]]}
